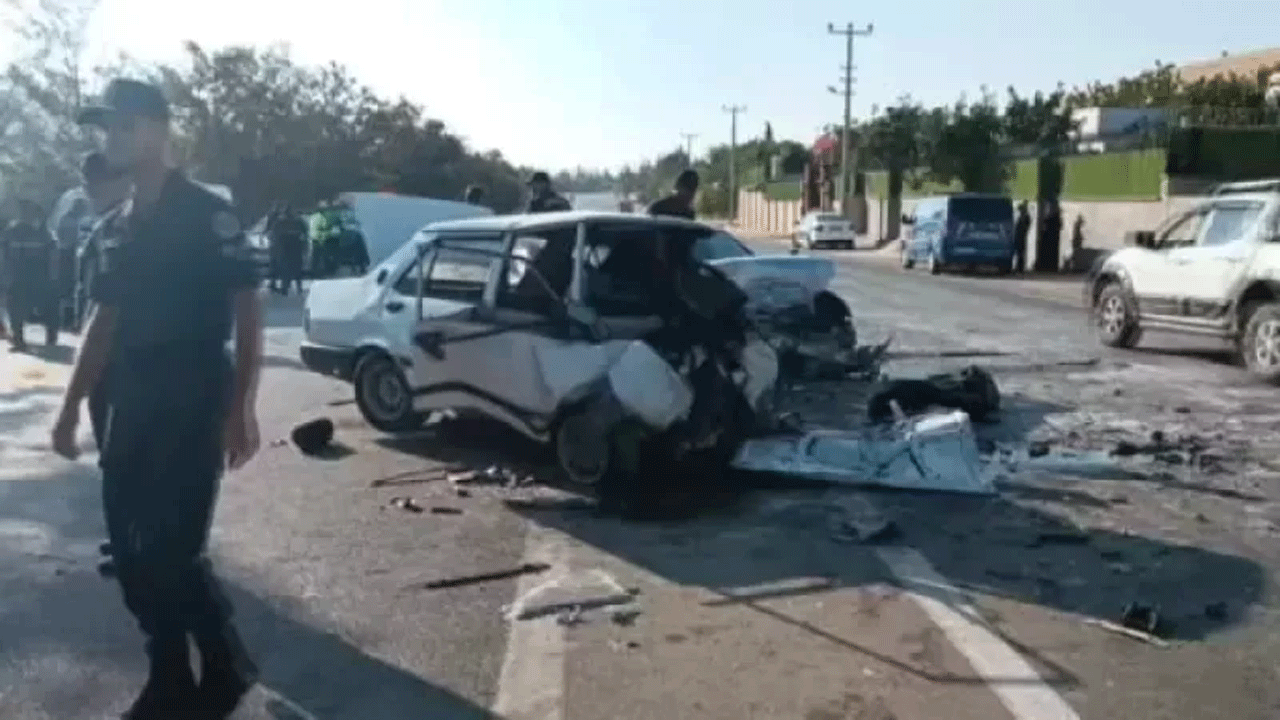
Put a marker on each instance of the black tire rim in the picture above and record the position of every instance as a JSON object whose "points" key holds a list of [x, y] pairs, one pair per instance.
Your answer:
{"points": [[384, 391]]}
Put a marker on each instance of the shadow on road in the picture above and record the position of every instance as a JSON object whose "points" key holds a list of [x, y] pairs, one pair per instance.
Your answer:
{"points": [[68, 647]]}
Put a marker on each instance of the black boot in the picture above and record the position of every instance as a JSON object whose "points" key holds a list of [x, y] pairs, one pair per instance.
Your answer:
{"points": [[226, 672], [170, 692]]}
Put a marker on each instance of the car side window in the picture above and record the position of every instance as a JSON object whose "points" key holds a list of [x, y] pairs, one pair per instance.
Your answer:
{"points": [[460, 268], [407, 284], [1230, 223], [538, 270], [1185, 232], [622, 269]]}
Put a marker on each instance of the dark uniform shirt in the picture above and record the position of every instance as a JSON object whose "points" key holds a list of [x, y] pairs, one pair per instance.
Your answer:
{"points": [[171, 274], [551, 202], [673, 206], [28, 252]]}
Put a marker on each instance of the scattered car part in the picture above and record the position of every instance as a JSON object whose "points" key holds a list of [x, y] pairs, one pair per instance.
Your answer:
{"points": [[525, 569], [578, 591], [314, 436], [934, 452], [972, 390]]}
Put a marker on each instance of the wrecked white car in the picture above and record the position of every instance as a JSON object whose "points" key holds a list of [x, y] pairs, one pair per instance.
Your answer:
{"points": [[571, 327]]}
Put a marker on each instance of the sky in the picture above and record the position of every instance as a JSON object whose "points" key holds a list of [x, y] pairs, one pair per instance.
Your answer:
{"points": [[592, 83]]}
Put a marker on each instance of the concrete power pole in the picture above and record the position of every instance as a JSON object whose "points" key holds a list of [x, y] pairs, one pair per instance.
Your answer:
{"points": [[688, 145], [733, 111], [848, 160]]}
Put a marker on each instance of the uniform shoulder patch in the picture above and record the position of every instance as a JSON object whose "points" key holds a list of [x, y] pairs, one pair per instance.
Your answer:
{"points": [[225, 225]]}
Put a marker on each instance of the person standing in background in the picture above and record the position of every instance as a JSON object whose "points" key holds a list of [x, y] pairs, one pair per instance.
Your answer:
{"points": [[1021, 231], [680, 202], [543, 197], [30, 259]]}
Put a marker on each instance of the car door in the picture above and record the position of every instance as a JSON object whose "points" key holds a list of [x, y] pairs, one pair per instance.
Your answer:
{"points": [[1203, 275], [1151, 271], [442, 335]]}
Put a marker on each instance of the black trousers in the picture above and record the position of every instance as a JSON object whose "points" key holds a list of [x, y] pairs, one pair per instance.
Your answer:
{"points": [[23, 300], [161, 464]]}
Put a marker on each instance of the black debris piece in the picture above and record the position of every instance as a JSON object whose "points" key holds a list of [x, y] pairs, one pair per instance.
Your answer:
{"points": [[313, 437], [445, 510], [1143, 618], [972, 390], [525, 569]]}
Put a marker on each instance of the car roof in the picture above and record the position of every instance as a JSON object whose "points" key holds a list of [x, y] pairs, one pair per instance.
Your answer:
{"points": [[1257, 187], [506, 223]]}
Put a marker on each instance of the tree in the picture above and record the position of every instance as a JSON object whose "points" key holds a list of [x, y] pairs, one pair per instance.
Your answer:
{"points": [[895, 140], [40, 93], [1043, 122], [969, 148]]}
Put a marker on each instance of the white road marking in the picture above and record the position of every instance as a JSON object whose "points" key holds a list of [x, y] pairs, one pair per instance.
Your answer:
{"points": [[531, 685], [1017, 684]]}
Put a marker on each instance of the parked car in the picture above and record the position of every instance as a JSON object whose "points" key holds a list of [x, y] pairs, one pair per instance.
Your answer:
{"points": [[1209, 271], [515, 317], [965, 229], [819, 229]]}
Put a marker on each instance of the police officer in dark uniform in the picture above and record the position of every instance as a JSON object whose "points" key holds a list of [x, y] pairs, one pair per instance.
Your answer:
{"points": [[288, 235], [30, 255], [679, 203], [544, 198], [168, 298]]}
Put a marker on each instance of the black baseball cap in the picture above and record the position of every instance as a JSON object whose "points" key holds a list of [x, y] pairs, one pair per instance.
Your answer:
{"points": [[132, 98], [538, 177], [95, 168]]}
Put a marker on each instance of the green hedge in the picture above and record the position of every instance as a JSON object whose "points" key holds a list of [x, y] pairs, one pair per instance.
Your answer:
{"points": [[1132, 175], [1225, 153]]}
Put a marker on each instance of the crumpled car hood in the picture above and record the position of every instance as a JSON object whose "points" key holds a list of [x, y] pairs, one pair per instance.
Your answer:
{"points": [[778, 281]]}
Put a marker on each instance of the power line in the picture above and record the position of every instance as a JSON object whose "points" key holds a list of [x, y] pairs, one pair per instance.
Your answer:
{"points": [[847, 159], [733, 111]]}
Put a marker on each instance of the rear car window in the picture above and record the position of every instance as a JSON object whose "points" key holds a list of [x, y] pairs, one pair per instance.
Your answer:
{"points": [[717, 246], [982, 209], [830, 218]]}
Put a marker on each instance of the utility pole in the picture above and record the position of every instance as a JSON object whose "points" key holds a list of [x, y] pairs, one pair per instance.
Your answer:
{"points": [[733, 111], [847, 159], [688, 146]]}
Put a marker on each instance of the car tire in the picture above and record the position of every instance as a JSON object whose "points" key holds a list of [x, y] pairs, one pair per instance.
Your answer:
{"points": [[1260, 342], [1115, 319], [599, 466], [383, 394]]}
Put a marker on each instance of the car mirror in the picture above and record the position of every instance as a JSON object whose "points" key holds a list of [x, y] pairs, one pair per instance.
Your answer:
{"points": [[1140, 238], [906, 220]]}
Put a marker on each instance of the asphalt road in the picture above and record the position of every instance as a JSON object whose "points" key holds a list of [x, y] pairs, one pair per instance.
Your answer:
{"points": [[982, 609]]}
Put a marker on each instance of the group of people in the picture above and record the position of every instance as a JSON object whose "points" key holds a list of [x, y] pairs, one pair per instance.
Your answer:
{"points": [[543, 198], [29, 265]]}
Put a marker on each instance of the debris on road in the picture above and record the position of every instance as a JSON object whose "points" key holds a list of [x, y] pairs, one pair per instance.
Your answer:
{"points": [[525, 569], [1143, 618], [582, 591], [407, 504], [971, 389], [313, 437], [1126, 631], [933, 452], [445, 510]]}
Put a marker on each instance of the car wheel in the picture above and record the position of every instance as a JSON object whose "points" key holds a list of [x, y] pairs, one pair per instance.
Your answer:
{"points": [[383, 394], [1260, 343], [907, 261], [606, 463], [1115, 318]]}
